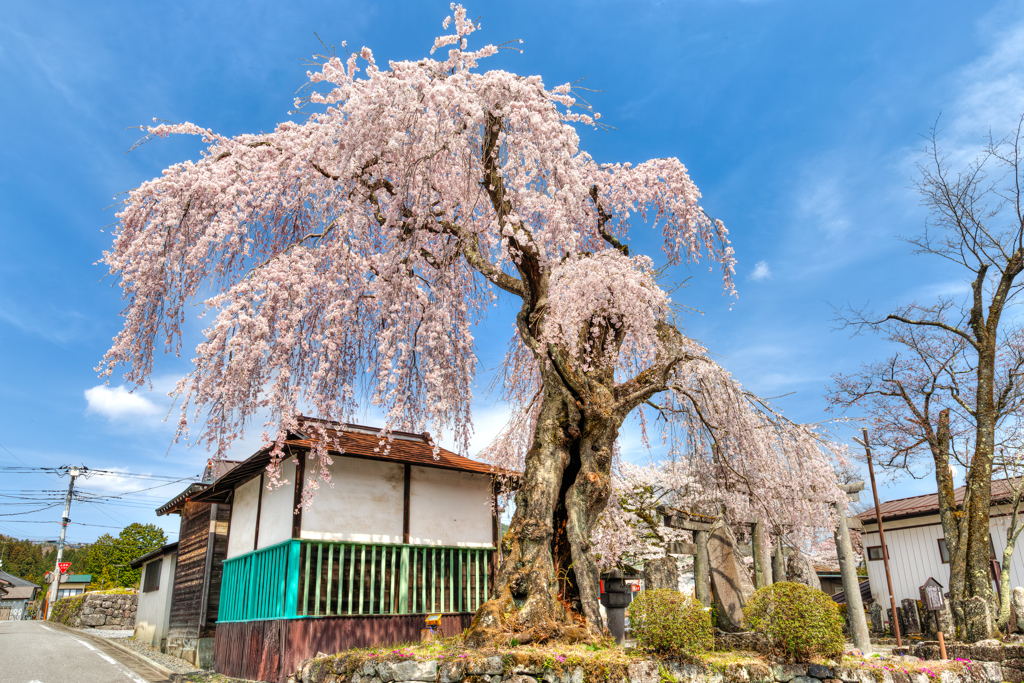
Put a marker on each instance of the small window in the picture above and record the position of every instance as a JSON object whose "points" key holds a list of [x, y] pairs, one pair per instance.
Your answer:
{"points": [[943, 551], [151, 582], [875, 552]]}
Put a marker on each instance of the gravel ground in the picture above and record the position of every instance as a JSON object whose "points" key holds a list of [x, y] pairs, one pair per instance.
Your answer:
{"points": [[104, 633], [179, 666]]}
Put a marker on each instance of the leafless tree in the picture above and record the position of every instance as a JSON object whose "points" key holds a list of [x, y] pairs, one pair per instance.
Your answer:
{"points": [[960, 357]]}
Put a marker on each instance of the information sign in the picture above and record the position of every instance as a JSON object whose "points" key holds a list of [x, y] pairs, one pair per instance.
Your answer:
{"points": [[933, 595]]}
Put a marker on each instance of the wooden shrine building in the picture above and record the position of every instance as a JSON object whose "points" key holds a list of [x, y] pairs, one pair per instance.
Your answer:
{"points": [[400, 534], [195, 592]]}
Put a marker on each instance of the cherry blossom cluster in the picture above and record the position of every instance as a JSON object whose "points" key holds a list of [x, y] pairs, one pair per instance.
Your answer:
{"points": [[591, 295], [350, 254]]}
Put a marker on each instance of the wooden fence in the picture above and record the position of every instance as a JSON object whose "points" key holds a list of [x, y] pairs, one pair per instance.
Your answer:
{"points": [[299, 578]]}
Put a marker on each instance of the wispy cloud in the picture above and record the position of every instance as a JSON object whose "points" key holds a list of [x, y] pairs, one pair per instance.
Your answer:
{"points": [[54, 325], [117, 403], [761, 271]]}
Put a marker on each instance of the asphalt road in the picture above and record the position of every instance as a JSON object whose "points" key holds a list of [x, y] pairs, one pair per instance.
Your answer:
{"points": [[33, 652]]}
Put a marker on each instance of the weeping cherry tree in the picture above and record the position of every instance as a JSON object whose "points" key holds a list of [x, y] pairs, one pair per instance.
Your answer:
{"points": [[348, 255]]}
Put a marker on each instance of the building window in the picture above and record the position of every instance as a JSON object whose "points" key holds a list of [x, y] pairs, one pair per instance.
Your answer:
{"points": [[68, 592], [875, 552], [152, 579], [943, 551]]}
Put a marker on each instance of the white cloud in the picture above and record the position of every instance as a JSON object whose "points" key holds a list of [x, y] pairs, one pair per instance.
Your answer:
{"points": [[118, 403], [761, 271]]}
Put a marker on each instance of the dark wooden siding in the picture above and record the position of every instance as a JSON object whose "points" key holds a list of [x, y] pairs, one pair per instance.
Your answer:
{"points": [[220, 551], [272, 650], [186, 602], [193, 543]]}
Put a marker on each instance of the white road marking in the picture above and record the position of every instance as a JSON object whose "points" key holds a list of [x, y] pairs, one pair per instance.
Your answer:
{"points": [[48, 629], [117, 665]]}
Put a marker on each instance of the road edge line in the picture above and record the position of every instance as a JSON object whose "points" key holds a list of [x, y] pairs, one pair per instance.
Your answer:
{"points": [[126, 650]]}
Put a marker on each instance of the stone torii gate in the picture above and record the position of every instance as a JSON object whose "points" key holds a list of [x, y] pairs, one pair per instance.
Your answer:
{"points": [[716, 563], [719, 574]]}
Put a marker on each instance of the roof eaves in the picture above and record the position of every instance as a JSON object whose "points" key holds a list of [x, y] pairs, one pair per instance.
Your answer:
{"points": [[175, 503], [159, 552]]}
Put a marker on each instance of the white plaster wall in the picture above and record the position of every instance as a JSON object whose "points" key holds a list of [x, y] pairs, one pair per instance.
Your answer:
{"points": [[276, 517], [243, 518], [154, 608], [914, 555], [364, 505], [450, 508]]}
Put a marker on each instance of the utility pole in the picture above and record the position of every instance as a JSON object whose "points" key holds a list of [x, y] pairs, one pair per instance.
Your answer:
{"points": [[75, 472], [881, 534]]}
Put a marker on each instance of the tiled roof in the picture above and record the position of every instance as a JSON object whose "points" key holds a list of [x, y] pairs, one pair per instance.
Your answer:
{"points": [[15, 580], [20, 593], [79, 578], [355, 441], [360, 441], [928, 504]]}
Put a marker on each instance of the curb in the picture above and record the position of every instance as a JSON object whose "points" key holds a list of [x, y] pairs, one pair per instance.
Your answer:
{"points": [[118, 646]]}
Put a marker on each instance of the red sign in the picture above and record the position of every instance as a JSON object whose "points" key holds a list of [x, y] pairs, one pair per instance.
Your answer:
{"points": [[63, 566]]}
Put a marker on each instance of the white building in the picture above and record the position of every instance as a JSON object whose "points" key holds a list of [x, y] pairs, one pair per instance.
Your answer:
{"points": [[401, 532], [155, 588], [917, 551]]}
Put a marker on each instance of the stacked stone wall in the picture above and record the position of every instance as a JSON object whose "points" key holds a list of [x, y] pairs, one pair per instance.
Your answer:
{"points": [[498, 670], [115, 611]]}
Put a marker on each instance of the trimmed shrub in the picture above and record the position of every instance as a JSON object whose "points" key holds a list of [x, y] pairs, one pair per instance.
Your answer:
{"points": [[802, 624], [672, 623]]}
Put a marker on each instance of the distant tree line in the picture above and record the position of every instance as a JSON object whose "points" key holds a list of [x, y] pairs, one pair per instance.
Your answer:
{"points": [[107, 559]]}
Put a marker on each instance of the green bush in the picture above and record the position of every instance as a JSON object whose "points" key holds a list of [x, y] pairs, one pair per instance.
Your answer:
{"points": [[671, 623], [802, 624]]}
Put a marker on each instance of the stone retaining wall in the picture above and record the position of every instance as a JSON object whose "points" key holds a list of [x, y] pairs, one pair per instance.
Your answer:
{"points": [[1009, 659], [99, 610], [495, 670]]}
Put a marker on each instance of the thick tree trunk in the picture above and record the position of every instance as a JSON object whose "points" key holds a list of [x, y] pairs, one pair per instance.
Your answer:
{"points": [[547, 585], [979, 485], [1005, 589], [949, 513]]}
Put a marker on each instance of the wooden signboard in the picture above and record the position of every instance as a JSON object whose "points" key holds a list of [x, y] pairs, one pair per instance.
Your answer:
{"points": [[933, 595], [935, 601]]}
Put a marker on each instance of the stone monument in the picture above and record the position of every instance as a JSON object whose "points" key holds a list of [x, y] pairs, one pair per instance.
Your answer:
{"points": [[729, 578], [661, 574]]}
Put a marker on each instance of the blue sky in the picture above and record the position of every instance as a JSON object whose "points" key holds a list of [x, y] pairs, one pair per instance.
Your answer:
{"points": [[800, 121]]}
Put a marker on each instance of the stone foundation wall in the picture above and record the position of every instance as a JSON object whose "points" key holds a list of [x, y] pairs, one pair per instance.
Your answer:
{"points": [[115, 611], [991, 654], [494, 670]]}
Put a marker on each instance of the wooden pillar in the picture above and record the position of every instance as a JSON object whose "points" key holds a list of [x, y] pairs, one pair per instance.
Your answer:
{"points": [[405, 504], [300, 477], [762, 556], [702, 569], [259, 512], [778, 563]]}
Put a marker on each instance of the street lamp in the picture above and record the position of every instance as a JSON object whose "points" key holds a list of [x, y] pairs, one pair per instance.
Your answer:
{"points": [[881, 534]]}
